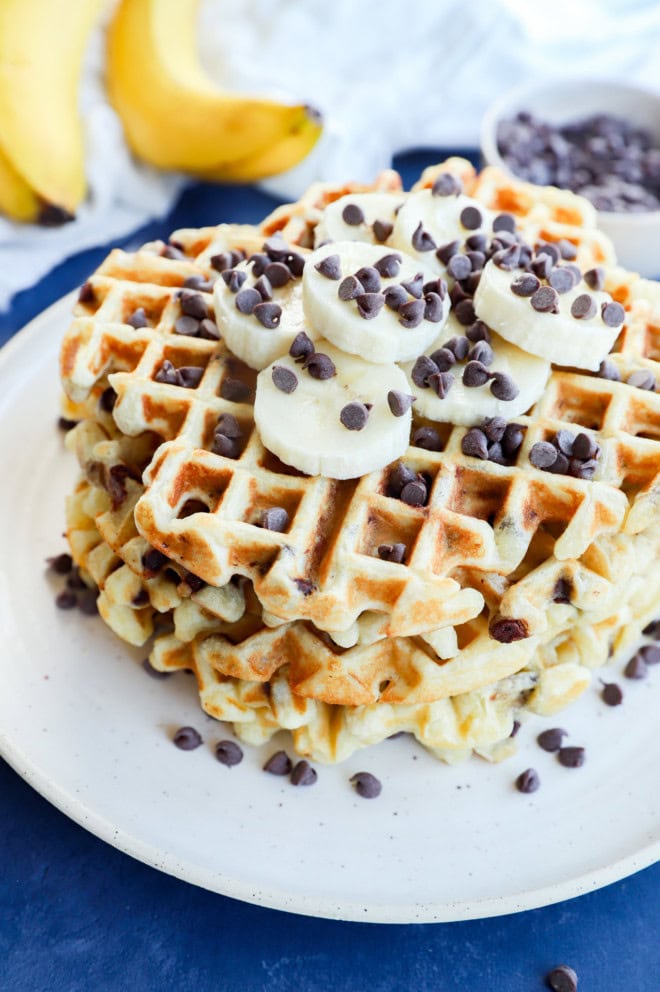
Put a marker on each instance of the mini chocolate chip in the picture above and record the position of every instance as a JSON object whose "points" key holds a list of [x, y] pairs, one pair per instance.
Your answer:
{"points": [[370, 304], [208, 329], [477, 260], [612, 694], [475, 374], [507, 258], [200, 283], [354, 416], [562, 979], [550, 249], [433, 310], [459, 266], [561, 465], [301, 346], [141, 598], [258, 261], [595, 278], [551, 740], [66, 600], [303, 774], [87, 602], [528, 781], [543, 454], [567, 249], [652, 630], [388, 266], [446, 185], [350, 288], [268, 314], [352, 215], [562, 591], [398, 478], [189, 376], [264, 288], [608, 370], [172, 251], [584, 447], [284, 379], [447, 251], [228, 425], [422, 369], [247, 300], [225, 446], [234, 279], [415, 286], [395, 296], [475, 444], [228, 753], [278, 274], [572, 757], [542, 266], [583, 307], [465, 313], [481, 352], [444, 359], [167, 374], [515, 728], [471, 218], [187, 738], [422, 240], [153, 560], [60, 564], [411, 314], [193, 304], [320, 366], [427, 438], [478, 332], [414, 493], [86, 293], [276, 248], [459, 346], [234, 390], [366, 785], [564, 441], [507, 629], [651, 654], [636, 667], [512, 440], [441, 383], [330, 267], [296, 264], [189, 326], [494, 428], [278, 764], [612, 314], [382, 230], [65, 424], [107, 399], [561, 279], [138, 318], [275, 518], [642, 379], [505, 222], [222, 261], [496, 454], [392, 552], [398, 402], [545, 300]]}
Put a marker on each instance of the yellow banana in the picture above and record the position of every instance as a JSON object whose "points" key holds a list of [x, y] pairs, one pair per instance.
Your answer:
{"points": [[174, 115], [17, 199], [42, 43]]}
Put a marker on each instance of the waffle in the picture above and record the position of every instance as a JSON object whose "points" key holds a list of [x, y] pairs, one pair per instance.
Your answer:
{"points": [[313, 617]]}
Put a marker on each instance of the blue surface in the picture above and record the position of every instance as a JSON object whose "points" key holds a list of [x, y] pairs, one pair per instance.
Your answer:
{"points": [[76, 915]]}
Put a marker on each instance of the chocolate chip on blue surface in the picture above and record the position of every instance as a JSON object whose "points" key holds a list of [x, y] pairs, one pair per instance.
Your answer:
{"points": [[392, 552], [475, 444], [528, 781], [388, 266], [475, 374], [447, 251], [414, 493], [187, 738], [441, 383], [382, 230], [303, 774], [642, 379], [422, 240], [278, 764], [608, 370], [354, 416], [427, 438], [398, 402], [636, 667], [301, 346], [274, 518], [366, 785], [572, 757], [595, 278], [284, 379], [411, 314], [545, 300], [228, 753], [268, 315], [612, 314], [395, 296], [471, 218], [422, 369], [446, 185], [508, 629], [611, 694], [319, 365], [583, 307], [352, 215], [369, 305], [562, 979], [350, 288]]}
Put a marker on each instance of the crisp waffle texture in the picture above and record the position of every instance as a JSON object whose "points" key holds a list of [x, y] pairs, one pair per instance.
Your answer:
{"points": [[309, 629]]}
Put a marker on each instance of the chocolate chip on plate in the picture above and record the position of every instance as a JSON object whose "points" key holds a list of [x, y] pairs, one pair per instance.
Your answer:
{"points": [[61, 564], [278, 764], [228, 753], [66, 600], [187, 738], [612, 694], [528, 781], [636, 667], [551, 739], [572, 757], [366, 785], [303, 774]]}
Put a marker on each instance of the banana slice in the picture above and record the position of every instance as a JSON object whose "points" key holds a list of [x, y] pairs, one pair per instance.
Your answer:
{"points": [[359, 217], [427, 221], [575, 327], [331, 415], [258, 305], [372, 302], [519, 378]]}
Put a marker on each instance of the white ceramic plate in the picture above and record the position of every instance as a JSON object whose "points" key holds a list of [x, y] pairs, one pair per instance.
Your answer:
{"points": [[83, 724]]}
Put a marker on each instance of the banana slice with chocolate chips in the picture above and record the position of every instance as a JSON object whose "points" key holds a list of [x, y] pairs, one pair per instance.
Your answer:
{"points": [[366, 217]]}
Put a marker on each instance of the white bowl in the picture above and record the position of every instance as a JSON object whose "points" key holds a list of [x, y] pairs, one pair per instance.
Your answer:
{"points": [[636, 236]]}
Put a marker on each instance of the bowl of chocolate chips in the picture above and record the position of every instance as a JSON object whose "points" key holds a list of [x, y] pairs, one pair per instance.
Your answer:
{"points": [[598, 139]]}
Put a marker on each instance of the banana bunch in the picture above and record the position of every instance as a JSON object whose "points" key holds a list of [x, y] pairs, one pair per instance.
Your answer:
{"points": [[174, 116]]}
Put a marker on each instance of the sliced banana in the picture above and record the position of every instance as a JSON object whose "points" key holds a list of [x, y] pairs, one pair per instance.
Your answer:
{"points": [[258, 329], [561, 337], [426, 222], [359, 217], [341, 426], [383, 318], [468, 405]]}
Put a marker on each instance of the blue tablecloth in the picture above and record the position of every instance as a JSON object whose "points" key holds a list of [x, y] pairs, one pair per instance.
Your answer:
{"points": [[76, 915]]}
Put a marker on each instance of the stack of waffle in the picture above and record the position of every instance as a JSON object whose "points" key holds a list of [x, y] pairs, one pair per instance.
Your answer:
{"points": [[307, 628]]}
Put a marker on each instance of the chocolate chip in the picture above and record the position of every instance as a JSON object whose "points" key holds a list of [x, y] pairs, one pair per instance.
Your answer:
{"points": [[234, 390], [189, 326], [543, 455], [506, 629], [475, 444], [550, 249], [187, 738], [354, 416], [138, 318], [200, 283], [65, 424], [652, 630], [75, 580], [478, 331], [561, 279], [268, 314], [507, 258], [352, 215], [382, 230], [595, 278], [612, 314], [459, 346], [446, 185], [87, 602], [208, 329], [444, 359], [411, 314], [193, 304], [276, 248], [583, 307], [395, 296], [481, 352], [278, 274], [477, 242], [562, 591], [189, 376], [228, 753], [167, 374], [562, 979], [542, 266], [303, 774], [274, 518], [60, 564], [330, 267], [392, 552], [551, 740], [350, 288], [247, 300], [427, 438], [642, 379], [515, 728], [86, 293], [388, 266], [471, 218], [496, 454], [441, 383], [222, 261], [560, 466], [301, 346], [475, 374], [414, 493], [366, 785], [545, 300], [528, 781], [465, 313], [399, 477], [284, 379], [264, 288], [153, 560], [422, 240], [141, 598], [415, 286], [398, 402], [66, 600], [433, 309], [447, 251], [494, 428], [278, 764], [584, 447], [370, 304], [612, 694], [512, 440], [107, 399], [505, 222], [422, 369], [459, 266], [572, 757], [172, 251], [564, 441], [296, 264], [651, 654], [608, 370], [234, 279], [636, 667], [320, 366], [225, 446]]}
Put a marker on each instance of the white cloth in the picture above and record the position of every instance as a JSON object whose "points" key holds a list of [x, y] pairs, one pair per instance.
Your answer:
{"points": [[388, 76]]}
